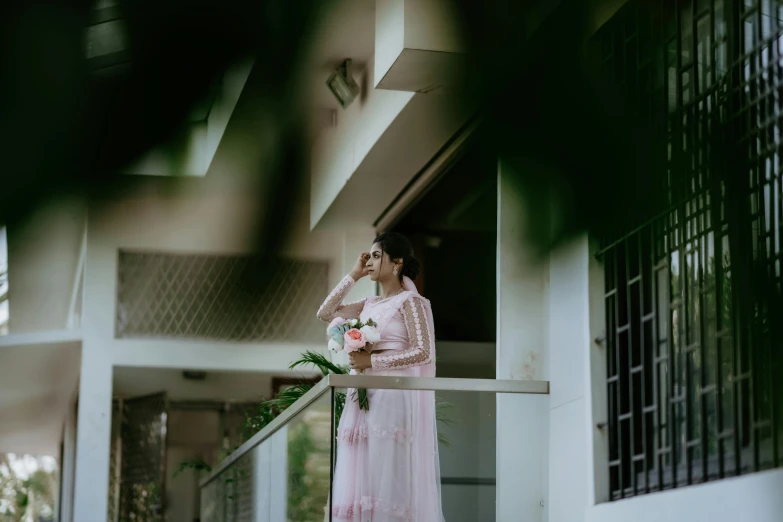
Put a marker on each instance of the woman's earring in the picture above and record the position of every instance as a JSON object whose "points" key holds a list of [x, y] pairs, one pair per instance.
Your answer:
{"points": [[394, 271]]}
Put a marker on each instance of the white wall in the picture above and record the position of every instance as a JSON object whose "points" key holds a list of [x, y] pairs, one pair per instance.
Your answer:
{"points": [[522, 332], [183, 496], [42, 258], [339, 150], [37, 385], [190, 435], [755, 498]]}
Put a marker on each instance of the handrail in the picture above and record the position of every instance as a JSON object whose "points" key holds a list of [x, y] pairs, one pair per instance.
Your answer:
{"points": [[381, 383], [385, 382], [308, 398]]}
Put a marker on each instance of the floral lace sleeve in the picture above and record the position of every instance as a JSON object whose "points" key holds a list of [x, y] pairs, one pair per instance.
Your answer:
{"points": [[334, 307], [420, 336]]}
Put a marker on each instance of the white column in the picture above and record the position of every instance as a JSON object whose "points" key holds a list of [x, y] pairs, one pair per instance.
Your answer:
{"points": [[262, 483], [278, 493], [94, 432], [522, 421], [95, 387], [595, 384], [570, 464], [67, 467]]}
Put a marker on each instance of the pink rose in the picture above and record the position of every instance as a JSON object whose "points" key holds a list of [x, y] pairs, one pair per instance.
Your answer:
{"points": [[354, 340], [337, 321]]}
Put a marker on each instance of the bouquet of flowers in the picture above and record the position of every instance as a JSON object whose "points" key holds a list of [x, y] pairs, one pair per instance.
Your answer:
{"points": [[353, 335]]}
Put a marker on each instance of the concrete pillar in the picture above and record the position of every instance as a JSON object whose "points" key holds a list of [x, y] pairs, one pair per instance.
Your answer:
{"points": [[570, 464], [67, 467], [278, 492], [522, 421], [262, 482], [93, 438]]}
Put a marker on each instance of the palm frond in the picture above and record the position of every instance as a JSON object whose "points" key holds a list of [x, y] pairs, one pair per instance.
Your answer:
{"points": [[444, 440], [442, 417], [288, 396], [196, 464], [320, 361], [441, 413]]}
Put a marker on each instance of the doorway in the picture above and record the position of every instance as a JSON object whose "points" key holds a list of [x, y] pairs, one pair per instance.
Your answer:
{"points": [[453, 228]]}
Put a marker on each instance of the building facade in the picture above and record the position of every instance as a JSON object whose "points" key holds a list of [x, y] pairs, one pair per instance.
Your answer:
{"points": [[663, 365]]}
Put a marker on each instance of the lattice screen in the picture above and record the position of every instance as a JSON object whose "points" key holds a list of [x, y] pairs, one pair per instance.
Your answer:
{"points": [[142, 493], [163, 295], [114, 462]]}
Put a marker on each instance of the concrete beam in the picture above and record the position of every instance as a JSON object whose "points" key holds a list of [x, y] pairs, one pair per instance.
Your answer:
{"points": [[205, 355], [418, 47]]}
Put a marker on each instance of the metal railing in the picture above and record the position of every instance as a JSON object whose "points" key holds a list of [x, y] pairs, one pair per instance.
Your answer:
{"points": [[377, 383], [239, 493]]}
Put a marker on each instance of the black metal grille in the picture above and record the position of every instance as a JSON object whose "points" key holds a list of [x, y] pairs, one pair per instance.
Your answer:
{"points": [[164, 295], [143, 459], [114, 462], [694, 359]]}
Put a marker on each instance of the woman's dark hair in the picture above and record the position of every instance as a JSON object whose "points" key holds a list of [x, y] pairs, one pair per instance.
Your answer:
{"points": [[399, 247]]}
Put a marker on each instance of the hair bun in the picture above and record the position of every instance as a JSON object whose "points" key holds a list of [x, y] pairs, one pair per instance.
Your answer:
{"points": [[411, 268]]}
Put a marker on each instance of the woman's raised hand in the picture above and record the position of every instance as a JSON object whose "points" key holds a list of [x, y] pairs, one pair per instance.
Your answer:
{"points": [[359, 270]]}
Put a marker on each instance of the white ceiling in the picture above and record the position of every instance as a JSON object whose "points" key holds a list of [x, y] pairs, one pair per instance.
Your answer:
{"points": [[37, 385], [221, 386]]}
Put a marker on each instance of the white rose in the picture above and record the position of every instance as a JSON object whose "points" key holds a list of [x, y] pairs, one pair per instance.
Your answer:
{"points": [[371, 334], [334, 345], [353, 322]]}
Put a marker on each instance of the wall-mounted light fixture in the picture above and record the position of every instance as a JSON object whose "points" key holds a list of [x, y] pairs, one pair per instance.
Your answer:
{"points": [[342, 84], [194, 375]]}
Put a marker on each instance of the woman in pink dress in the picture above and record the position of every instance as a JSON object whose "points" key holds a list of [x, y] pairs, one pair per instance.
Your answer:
{"points": [[387, 457]]}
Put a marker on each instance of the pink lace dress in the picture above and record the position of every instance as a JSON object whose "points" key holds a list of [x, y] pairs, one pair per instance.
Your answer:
{"points": [[387, 458]]}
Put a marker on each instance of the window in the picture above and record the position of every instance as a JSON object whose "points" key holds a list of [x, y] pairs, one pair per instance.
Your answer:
{"points": [[694, 360]]}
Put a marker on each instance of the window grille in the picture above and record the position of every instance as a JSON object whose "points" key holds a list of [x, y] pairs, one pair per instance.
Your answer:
{"points": [[694, 359], [143, 460], [164, 295]]}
